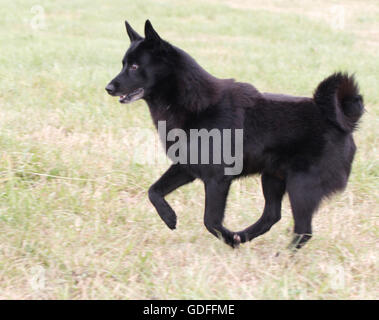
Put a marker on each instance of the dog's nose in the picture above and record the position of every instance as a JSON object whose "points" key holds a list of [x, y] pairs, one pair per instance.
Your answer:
{"points": [[110, 88]]}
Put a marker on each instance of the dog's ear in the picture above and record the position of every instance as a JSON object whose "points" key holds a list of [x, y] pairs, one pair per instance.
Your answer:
{"points": [[133, 35], [150, 33]]}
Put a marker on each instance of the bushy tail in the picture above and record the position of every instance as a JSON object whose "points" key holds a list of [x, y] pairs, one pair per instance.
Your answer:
{"points": [[339, 99]]}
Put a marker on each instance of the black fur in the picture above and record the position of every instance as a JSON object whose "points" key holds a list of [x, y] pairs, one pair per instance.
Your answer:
{"points": [[303, 146]]}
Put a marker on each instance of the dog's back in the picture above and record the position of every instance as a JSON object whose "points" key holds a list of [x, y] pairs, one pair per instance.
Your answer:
{"points": [[287, 133]]}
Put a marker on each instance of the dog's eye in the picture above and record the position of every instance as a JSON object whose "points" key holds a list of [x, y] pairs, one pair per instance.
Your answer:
{"points": [[133, 66]]}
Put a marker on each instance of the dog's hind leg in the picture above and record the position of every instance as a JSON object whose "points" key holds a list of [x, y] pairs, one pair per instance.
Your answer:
{"points": [[216, 193], [172, 179], [305, 194], [273, 191]]}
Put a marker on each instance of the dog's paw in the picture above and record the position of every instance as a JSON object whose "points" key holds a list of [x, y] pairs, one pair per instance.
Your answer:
{"points": [[229, 238], [233, 240], [236, 241], [170, 221]]}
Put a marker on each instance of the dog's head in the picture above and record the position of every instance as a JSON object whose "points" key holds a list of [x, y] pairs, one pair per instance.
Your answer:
{"points": [[144, 65]]}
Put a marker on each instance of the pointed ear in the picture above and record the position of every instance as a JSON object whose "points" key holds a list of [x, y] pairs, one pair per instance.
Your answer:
{"points": [[150, 33], [133, 35]]}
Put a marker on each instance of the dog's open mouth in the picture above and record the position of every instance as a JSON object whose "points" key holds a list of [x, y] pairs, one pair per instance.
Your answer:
{"points": [[132, 96]]}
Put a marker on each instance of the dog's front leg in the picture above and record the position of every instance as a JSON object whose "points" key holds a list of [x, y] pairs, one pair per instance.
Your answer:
{"points": [[172, 179], [216, 193]]}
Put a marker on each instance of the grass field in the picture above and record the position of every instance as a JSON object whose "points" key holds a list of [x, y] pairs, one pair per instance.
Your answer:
{"points": [[75, 220]]}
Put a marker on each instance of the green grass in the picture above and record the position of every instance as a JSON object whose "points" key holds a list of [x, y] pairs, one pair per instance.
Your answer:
{"points": [[75, 221]]}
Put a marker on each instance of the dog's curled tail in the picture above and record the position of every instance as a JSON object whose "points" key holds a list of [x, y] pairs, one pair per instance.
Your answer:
{"points": [[339, 99]]}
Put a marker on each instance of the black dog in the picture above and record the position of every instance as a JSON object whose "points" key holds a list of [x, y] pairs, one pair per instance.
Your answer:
{"points": [[303, 146]]}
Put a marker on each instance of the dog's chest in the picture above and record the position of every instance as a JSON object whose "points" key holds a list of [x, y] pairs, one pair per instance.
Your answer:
{"points": [[166, 114]]}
